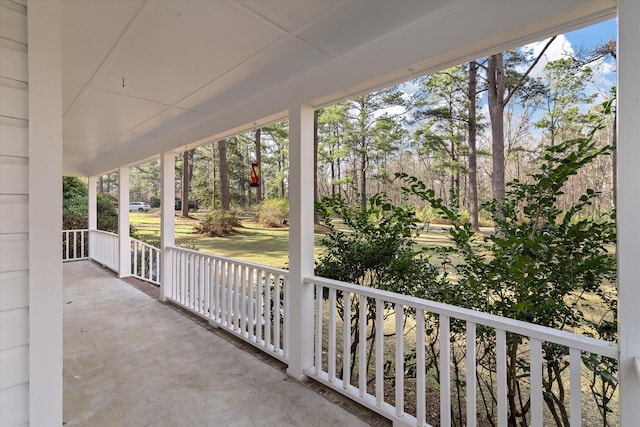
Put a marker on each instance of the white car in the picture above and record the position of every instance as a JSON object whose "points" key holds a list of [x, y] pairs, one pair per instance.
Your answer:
{"points": [[139, 206]]}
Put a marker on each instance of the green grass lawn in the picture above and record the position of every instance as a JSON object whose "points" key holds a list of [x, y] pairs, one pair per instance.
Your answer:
{"points": [[252, 243]]}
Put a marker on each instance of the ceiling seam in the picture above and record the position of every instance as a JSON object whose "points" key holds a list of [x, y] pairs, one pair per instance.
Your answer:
{"points": [[107, 56], [289, 34]]}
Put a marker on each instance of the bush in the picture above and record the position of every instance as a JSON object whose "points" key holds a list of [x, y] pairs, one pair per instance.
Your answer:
{"points": [[218, 223], [154, 202], [542, 265], [272, 212]]}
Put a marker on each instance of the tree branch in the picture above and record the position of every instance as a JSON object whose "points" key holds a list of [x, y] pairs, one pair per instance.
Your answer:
{"points": [[524, 76]]}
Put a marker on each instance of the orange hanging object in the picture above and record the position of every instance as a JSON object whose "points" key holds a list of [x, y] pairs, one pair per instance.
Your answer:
{"points": [[255, 174]]}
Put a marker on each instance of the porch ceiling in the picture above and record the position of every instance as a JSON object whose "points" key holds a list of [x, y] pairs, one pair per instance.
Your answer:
{"points": [[141, 77]]}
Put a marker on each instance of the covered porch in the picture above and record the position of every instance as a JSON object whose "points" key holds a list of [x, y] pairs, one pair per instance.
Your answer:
{"points": [[104, 86], [131, 360]]}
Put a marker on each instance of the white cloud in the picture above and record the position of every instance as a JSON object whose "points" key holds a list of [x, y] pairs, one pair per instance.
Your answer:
{"points": [[560, 48]]}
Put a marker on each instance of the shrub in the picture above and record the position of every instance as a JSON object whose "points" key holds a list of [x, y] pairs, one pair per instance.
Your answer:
{"points": [[154, 202], [273, 211], [218, 223], [542, 265]]}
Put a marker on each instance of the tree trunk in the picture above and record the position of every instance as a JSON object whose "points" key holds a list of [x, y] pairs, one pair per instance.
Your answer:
{"points": [[496, 87], [224, 175], [282, 170], [614, 160], [473, 168], [213, 175], [101, 184], [363, 175], [316, 217], [259, 161], [185, 184]]}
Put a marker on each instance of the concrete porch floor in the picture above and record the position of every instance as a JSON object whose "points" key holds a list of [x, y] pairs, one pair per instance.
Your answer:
{"points": [[130, 360]]}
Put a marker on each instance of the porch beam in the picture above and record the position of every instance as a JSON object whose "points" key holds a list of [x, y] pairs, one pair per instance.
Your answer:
{"points": [[167, 219], [124, 239], [628, 208], [300, 239]]}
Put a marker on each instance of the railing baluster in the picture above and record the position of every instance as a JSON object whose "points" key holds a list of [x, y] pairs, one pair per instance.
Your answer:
{"points": [[236, 298], [575, 392], [267, 309], [202, 300], [135, 257], [276, 312], [346, 341], [471, 374], [243, 300], [379, 352], [501, 376], [142, 261], [399, 360], [260, 306], [445, 371], [75, 244], [362, 344], [192, 281], [229, 289], [252, 304], [318, 319], [207, 287], [332, 335], [421, 397], [535, 371], [183, 279], [67, 245]]}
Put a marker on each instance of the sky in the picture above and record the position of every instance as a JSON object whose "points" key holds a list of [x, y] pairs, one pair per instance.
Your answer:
{"points": [[583, 39]]}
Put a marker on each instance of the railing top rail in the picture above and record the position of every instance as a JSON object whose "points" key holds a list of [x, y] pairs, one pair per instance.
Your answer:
{"points": [[106, 233], [589, 344], [75, 229], [144, 244], [233, 260]]}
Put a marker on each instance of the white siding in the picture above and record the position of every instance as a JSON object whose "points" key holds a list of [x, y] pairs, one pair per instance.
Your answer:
{"points": [[14, 220]]}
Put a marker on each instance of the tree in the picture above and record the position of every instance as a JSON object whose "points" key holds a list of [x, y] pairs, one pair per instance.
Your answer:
{"points": [[224, 175], [498, 98], [445, 131], [565, 81], [187, 173], [258, 140], [365, 115], [333, 128], [473, 131]]}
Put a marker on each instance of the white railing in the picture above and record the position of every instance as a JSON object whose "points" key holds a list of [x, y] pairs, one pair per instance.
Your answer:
{"points": [[75, 245], [248, 300], [145, 261], [104, 249], [391, 342]]}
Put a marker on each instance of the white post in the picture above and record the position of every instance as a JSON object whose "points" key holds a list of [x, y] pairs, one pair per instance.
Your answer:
{"points": [[300, 320], [167, 219], [628, 209], [92, 211], [45, 213], [124, 253]]}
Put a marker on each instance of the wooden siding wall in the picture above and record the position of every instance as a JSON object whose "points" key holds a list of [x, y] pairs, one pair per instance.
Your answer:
{"points": [[14, 215]]}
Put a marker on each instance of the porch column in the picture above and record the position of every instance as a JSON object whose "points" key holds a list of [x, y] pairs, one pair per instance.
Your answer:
{"points": [[300, 239], [628, 209], [92, 210], [167, 219], [124, 253], [44, 324]]}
